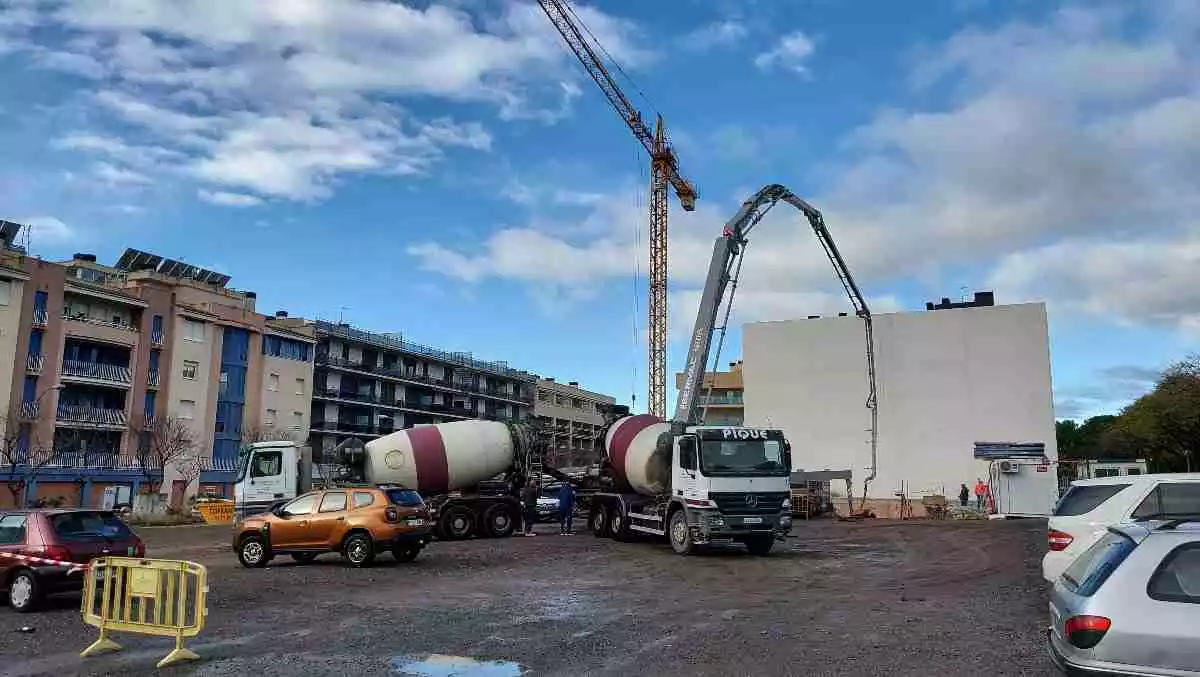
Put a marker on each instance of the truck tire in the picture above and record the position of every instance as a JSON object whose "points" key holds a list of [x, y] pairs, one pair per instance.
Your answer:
{"points": [[499, 521], [680, 534], [618, 524], [599, 521], [457, 523], [760, 545]]}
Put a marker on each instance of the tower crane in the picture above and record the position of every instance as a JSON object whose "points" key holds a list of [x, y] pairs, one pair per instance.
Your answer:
{"points": [[664, 171]]}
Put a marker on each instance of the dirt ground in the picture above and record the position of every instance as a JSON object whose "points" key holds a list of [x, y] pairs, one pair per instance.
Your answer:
{"points": [[873, 598]]}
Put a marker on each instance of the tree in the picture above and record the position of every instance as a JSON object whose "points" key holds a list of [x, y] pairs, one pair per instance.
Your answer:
{"points": [[1086, 440], [1164, 424], [22, 459], [164, 441]]}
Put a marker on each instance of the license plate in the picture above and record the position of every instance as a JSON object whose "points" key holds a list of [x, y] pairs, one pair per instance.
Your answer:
{"points": [[752, 520], [416, 522]]}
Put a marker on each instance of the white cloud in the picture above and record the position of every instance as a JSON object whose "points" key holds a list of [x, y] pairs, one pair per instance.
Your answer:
{"points": [[48, 231], [724, 33], [226, 199], [1067, 187], [792, 53], [283, 98]]}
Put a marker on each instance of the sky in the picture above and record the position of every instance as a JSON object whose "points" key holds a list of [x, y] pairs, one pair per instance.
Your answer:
{"points": [[447, 170]]}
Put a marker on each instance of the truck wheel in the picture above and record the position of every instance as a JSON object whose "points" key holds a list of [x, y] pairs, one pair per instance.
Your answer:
{"points": [[760, 545], [499, 521], [617, 526], [358, 550], [680, 534], [406, 553], [457, 523], [599, 522], [252, 552]]}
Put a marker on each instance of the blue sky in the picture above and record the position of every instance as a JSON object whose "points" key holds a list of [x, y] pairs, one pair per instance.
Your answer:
{"points": [[447, 171]]}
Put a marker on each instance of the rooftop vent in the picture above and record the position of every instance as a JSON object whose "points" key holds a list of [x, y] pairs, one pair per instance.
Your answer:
{"points": [[90, 258], [573, 383], [281, 314]]}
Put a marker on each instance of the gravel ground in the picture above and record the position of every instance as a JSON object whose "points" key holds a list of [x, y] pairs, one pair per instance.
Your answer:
{"points": [[877, 598]]}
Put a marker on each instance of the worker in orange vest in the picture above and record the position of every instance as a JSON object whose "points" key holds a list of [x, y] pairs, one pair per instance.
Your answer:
{"points": [[981, 491]]}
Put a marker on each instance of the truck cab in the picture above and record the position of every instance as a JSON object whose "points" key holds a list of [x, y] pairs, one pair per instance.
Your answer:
{"points": [[271, 472]]}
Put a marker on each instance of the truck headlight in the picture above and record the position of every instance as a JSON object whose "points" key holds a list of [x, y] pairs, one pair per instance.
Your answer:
{"points": [[716, 521], [787, 504]]}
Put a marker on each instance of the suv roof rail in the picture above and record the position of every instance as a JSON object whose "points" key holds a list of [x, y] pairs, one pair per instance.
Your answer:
{"points": [[1175, 522]]}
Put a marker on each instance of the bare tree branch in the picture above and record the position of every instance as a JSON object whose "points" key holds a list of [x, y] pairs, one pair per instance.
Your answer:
{"points": [[163, 441], [22, 458]]}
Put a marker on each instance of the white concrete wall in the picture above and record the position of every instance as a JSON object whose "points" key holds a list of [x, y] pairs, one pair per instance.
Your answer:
{"points": [[946, 379]]}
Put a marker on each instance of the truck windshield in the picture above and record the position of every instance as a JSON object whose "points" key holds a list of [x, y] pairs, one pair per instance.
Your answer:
{"points": [[243, 461], [743, 457]]}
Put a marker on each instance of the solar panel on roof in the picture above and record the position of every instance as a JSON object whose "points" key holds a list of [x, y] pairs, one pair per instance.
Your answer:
{"points": [[9, 230], [136, 259], [170, 267], [221, 280]]}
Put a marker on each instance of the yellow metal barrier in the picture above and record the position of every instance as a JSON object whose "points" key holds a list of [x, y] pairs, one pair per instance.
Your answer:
{"points": [[216, 512], [146, 596]]}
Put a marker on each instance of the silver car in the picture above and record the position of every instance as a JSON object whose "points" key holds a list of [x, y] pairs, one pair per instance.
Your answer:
{"points": [[1130, 604]]}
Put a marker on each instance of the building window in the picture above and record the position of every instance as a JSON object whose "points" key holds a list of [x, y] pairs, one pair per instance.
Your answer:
{"points": [[190, 367], [297, 420], [288, 349], [5, 292], [269, 418], [273, 382], [193, 330], [544, 395], [299, 386], [187, 409]]}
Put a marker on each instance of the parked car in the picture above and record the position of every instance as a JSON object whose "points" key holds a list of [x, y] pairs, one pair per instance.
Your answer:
{"points": [[1130, 604], [61, 534], [1089, 507], [358, 522]]}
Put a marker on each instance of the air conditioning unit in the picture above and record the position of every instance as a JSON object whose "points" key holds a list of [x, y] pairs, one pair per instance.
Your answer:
{"points": [[1009, 467]]}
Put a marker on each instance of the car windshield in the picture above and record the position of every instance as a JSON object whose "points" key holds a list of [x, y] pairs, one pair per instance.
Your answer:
{"points": [[85, 525], [406, 498], [1087, 573], [742, 457]]}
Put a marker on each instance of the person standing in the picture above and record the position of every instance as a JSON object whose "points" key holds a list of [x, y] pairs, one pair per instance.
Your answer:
{"points": [[964, 495], [529, 496], [981, 490], [566, 508]]}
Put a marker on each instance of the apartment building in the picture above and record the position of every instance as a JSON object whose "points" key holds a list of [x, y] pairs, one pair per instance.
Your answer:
{"points": [[103, 352], [720, 397], [369, 384], [573, 419]]}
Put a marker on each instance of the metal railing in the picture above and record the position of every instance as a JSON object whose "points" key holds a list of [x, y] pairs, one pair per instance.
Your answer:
{"points": [[413, 376], [94, 415], [29, 410], [157, 338], [33, 363], [152, 378], [97, 370], [398, 343], [40, 319], [101, 323], [736, 400]]}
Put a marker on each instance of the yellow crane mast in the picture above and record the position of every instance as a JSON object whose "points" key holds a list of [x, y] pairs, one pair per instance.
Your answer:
{"points": [[664, 172]]}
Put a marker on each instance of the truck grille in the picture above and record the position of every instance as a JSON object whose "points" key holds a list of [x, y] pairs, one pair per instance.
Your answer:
{"points": [[735, 502]]}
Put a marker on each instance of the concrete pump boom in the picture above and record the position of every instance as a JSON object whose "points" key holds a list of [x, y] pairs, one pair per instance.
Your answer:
{"points": [[727, 251]]}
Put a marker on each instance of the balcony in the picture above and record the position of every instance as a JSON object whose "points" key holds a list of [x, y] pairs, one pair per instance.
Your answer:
{"points": [[82, 326], [722, 401], [157, 339], [92, 416], [40, 318], [412, 376], [96, 371], [152, 378], [30, 410], [34, 363]]}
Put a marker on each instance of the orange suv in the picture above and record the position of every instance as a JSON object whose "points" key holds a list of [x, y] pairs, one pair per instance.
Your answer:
{"points": [[358, 522]]}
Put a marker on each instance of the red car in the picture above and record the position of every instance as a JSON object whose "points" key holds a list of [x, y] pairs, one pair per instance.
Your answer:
{"points": [[63, 534]]}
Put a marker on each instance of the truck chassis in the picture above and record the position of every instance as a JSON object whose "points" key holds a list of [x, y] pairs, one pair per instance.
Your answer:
{"points": [[621, 516]]}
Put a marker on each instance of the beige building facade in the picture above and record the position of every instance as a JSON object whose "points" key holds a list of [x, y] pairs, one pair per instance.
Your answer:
{"points": [[721, 397], [574, 418]]}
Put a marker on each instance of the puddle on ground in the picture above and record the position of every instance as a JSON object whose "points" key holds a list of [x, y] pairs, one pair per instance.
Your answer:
{"points": [[438, 665]]}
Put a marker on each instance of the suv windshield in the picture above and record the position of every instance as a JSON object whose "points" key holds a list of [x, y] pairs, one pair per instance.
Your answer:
{"points": [[85, 525], [743, 457], [405, 498], [1082, 499]]}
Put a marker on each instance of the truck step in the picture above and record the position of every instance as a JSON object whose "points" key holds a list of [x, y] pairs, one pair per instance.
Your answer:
{"points": [[647, 530], [648, 518]]}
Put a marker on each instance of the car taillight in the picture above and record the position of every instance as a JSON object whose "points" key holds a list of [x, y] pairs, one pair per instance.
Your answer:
{"points": [[391, 514], [1086, 632], [1059, 540], [57, 552]]}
